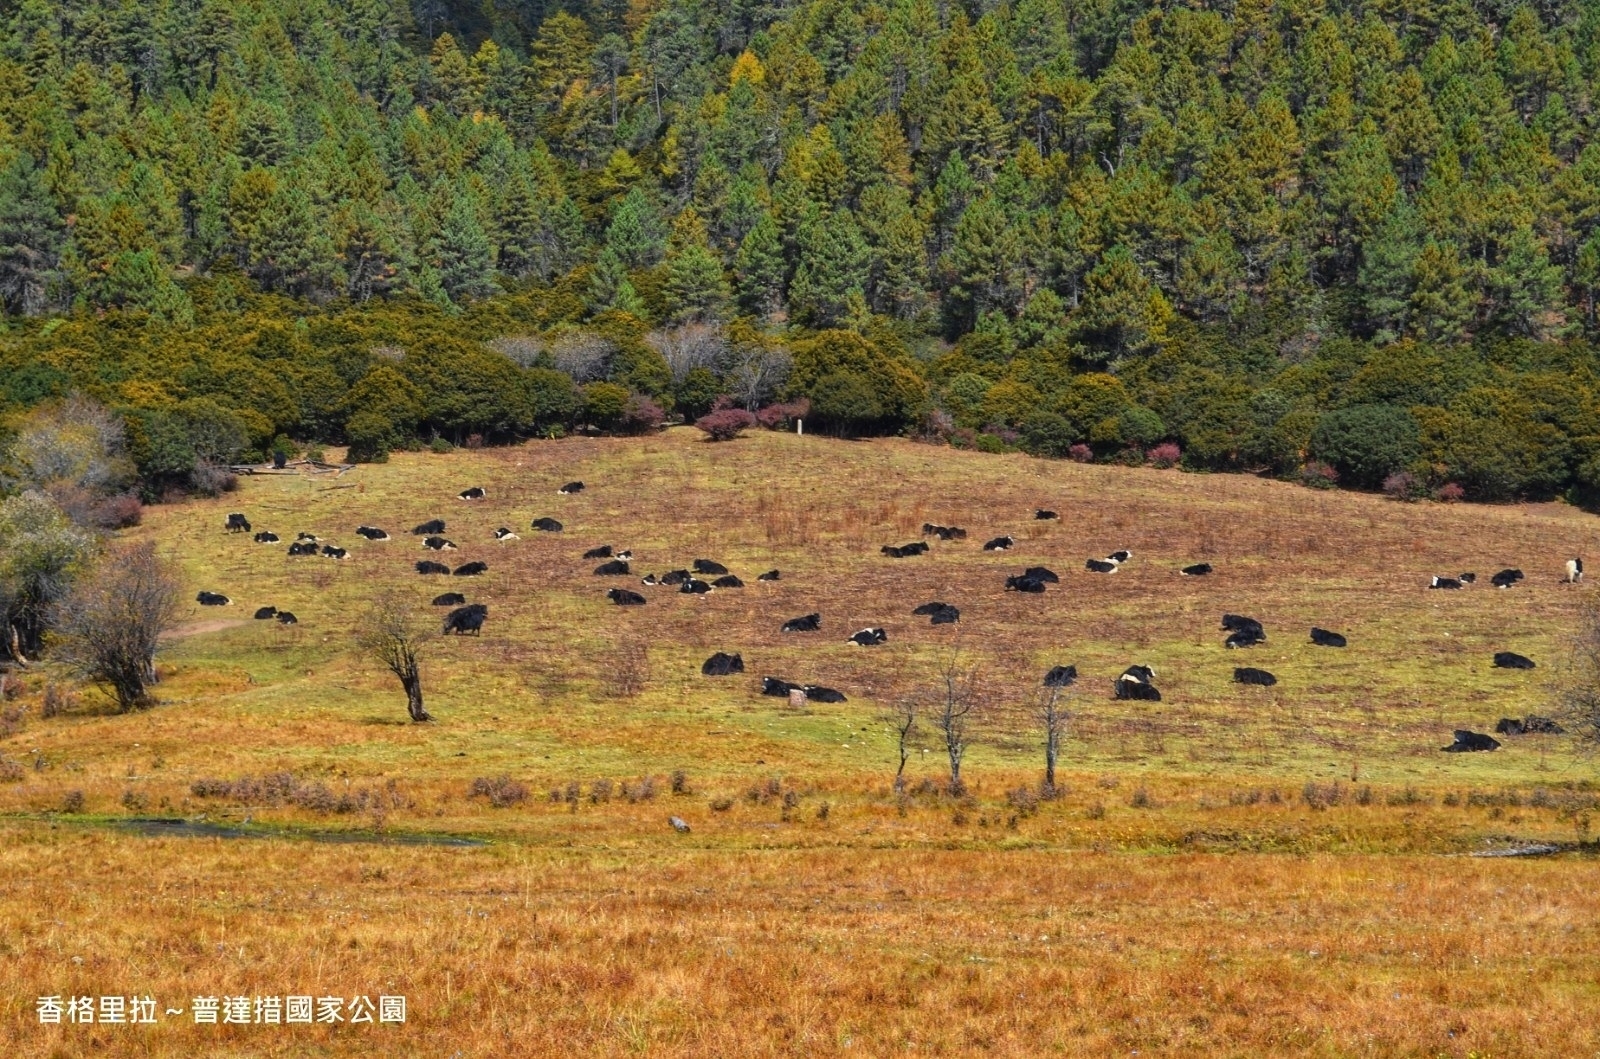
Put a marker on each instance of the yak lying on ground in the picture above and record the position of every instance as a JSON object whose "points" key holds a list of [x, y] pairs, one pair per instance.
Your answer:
{"points": [[1120, 556], [266, 537], [429, 528], [303, 548], [944, 533], [287, 618], [212, 599], [998, 544], [1042, 573], [1197, 570], [570, 488], [371, 533], [1512, 660], [806, 623], [722, 664], [475, 493], [1468, 742], [770, 575], [449, 599], [427, 566], [1506, 578], [706, 566], [263, 613], [1445, 582], [938, 613], [1101, 566], [1137, 682], [335, 553], [466, 619], [727, 581], [814, 692], [439, 544], [504, 534], [1044, 514], [1016, 583], [624, 598], [868, 638], [694, 587], [1530, 725], [1324, 638], [1245, 632], [237, 523], [1248, 675], [1467, 577], [472, 569], [602, 552], [904, 551], [613, 568], [1060, 677], [929, 608], [546, 525]]}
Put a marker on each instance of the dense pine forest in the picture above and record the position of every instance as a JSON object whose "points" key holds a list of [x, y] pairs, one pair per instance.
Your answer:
{"points": [[1357, 243]]}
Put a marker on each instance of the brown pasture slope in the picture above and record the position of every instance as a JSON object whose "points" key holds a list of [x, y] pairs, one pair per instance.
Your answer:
{"points": [[1233, 871]]}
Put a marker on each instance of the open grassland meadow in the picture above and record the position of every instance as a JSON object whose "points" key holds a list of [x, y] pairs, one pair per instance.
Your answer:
{"points": [[1233, 870]]}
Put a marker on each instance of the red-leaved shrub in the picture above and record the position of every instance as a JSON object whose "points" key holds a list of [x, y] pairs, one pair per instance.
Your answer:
{"points": [[1401, 485], [641, 416], [1080, 453], [1449, 492], [779, 416], [726, 424], [1165, 454]]}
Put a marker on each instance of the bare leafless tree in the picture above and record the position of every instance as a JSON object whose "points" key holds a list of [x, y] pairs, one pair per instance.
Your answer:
{"points": [[1578, 688], [903, 716], [756, 373], [110, 626], [525, 350], [583, 355], [689, 347], [956, 701], [1054, 718], [394, 633]]}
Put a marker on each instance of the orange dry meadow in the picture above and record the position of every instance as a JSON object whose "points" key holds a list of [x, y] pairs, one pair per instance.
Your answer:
{"points": [[1233, 871]]}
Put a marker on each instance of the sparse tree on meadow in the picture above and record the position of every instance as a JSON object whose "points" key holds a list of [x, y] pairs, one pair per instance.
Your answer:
{"points": [[1578, 691], [956, 702], [1053, 718], [110, 626], [903, 716], [391, 632]]}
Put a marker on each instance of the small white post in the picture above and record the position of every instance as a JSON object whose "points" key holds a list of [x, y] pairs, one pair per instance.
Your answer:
{"points": [[799, 426]]}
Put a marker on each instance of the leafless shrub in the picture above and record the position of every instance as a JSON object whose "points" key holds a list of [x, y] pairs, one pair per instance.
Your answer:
{"points": [[11, 770], [600, 791], [501, 791], [1249, 797], [642, 789], [721, 805], [56, 700], [572, 795], [393, 354], [1320, 796], [823, 810], [1097, 811], [1451, 799], [212, 479], [11, 720], [680, 782], [791, 802], [1140, 798], [76, 442], [1023, 800], [957, 699], [72, 802], [1578, 687], [134, 801], [1364, 796], [110, 626], [283, 788]]}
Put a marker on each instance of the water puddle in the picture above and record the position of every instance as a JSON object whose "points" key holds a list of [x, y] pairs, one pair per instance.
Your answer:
{"points": [[156, 827]]}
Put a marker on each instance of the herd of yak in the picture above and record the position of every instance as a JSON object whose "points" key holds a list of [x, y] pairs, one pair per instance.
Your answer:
{"points": [[1137, 682]]}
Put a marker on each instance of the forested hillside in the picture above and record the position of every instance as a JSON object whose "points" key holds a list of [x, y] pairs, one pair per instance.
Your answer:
{"points": [[1356, 242]]}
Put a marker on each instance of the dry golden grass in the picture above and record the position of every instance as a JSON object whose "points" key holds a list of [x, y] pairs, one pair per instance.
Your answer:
{"points": [[1232, 871]]}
